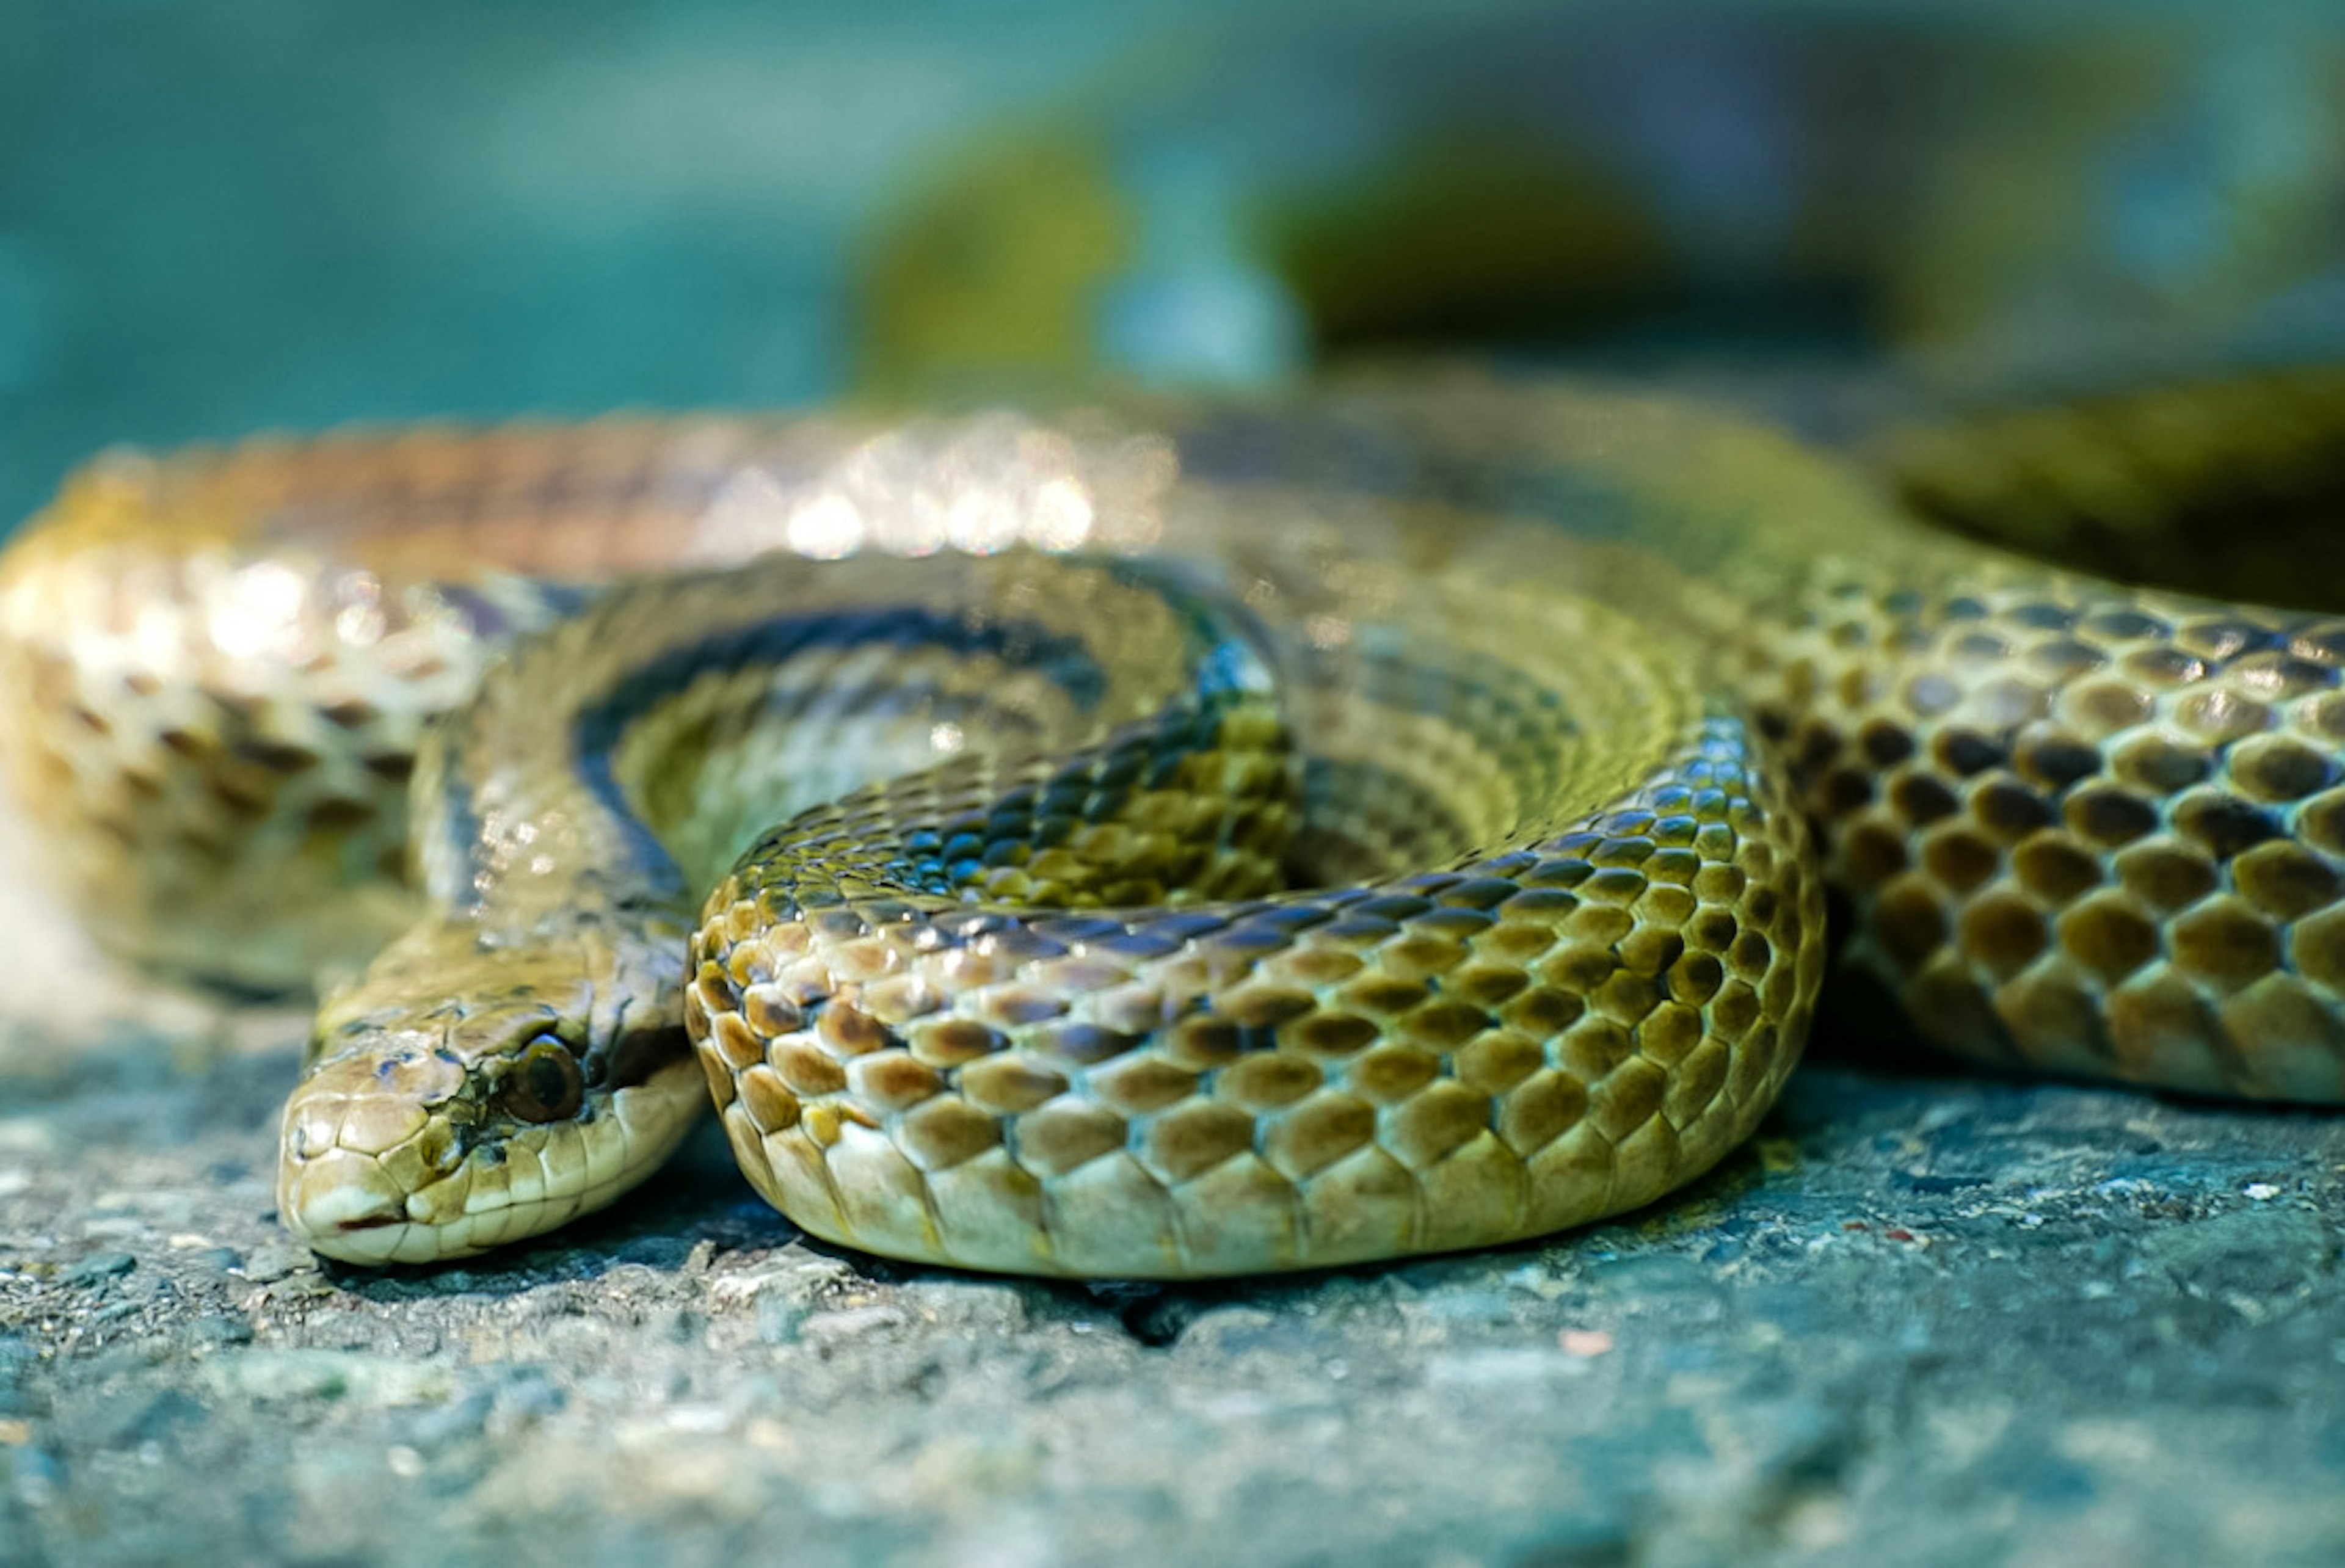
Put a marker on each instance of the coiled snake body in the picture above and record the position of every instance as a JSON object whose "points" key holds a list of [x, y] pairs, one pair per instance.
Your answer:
{"points": [[1213, 839]]}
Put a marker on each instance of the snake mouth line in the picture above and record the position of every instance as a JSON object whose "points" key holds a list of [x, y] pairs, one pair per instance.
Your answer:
{"points": [[353, 1205]]}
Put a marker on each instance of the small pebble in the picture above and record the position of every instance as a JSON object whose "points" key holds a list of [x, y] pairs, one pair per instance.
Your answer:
{"points": [[220, 1328], [525, 1401], [276, 1261], [853, 1323], [780, 1319], [98, 1266]]}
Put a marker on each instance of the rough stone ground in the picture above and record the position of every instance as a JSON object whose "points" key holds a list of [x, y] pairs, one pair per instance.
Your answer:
{"points": [[1926, 1319]]}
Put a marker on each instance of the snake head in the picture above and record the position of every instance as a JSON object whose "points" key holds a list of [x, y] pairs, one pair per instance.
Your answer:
{"points": [[463, 1094]]}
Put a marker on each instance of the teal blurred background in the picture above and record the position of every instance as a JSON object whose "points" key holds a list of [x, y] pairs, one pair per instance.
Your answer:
{"points": [[218, 218]]}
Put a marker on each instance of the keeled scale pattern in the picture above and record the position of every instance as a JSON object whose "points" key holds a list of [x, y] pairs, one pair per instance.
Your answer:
{"points": [[2097, 831], [1534, 1039], [216, 668], [216, 665]]}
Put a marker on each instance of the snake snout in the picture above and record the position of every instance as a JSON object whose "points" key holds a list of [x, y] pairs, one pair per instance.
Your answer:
{"points": [[361, 1139], [339, 1196]]}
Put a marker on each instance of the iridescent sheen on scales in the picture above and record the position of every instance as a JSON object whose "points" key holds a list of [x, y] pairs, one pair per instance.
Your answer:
{"points": [[1174, 841]]}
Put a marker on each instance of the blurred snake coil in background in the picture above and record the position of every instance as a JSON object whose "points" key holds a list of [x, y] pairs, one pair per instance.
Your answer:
{"points": [[2074, 824]]}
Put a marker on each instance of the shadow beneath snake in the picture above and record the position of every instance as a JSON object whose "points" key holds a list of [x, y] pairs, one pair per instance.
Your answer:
{"points": [[1874, 1121]]}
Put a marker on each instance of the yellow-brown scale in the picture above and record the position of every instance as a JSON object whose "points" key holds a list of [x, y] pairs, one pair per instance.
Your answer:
{"points": [[517, 1057], [2084, 828], [217, 667], [1562, 673], [1534, 1038], [2093, 830], [2229, 489]]}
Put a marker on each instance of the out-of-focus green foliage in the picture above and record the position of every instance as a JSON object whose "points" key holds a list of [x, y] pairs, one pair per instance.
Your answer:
{"points": [[216, 218]]}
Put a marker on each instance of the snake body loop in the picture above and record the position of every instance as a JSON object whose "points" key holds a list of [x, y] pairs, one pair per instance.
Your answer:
{"points": [[1181, 841]]}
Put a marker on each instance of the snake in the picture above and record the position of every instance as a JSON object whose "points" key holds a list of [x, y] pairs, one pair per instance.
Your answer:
{"points": [[1163, 838]]}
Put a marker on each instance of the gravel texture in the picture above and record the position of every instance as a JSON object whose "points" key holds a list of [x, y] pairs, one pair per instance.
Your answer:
{"points": [[1925, 1318]]}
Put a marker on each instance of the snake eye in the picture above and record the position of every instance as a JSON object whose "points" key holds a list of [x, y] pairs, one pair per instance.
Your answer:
{"points": [[543, 1084]]}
